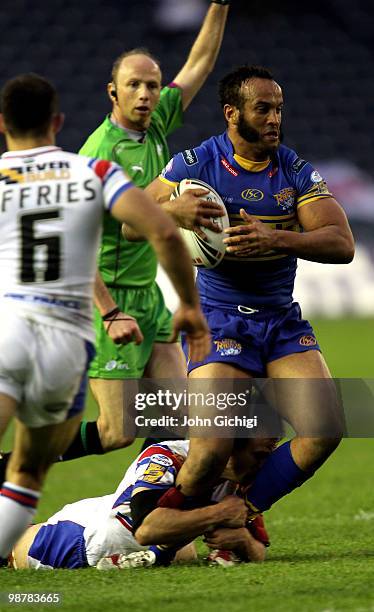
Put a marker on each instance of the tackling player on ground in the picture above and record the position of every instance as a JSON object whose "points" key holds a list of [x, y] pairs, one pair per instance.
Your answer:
{"points": [[127, 529], [280, 209]]}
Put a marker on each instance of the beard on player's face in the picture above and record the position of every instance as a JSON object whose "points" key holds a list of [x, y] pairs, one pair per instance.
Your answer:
{"points": [[247, 131], [253, 136]]}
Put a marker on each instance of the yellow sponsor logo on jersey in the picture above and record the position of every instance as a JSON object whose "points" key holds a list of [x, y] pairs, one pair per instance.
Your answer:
{"points": [[26, 174], [252, 195], [154, 472], [49, 175], [13, 174]]}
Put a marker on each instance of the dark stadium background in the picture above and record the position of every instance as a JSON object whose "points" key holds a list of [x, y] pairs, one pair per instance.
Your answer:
{"points": [[322, 52]]}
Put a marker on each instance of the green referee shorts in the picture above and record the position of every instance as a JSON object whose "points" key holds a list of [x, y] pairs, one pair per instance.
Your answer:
{"points": [[119, 361]]}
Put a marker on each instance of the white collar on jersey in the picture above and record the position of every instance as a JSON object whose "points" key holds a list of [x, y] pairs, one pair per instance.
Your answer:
{"points": [[31, 152]]}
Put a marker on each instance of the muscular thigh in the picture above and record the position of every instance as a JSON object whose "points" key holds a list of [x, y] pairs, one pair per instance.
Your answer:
{"points": [[309, 364], [209, 452], [35, 449], [110, 396], [214, 380], [219, 370], [116, 421], [301, 387], [167, 360]]}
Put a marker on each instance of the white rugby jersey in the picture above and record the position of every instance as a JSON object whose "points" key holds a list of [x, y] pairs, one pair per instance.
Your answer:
{"points": [[51, 208], [106, 521], [110, 530]]}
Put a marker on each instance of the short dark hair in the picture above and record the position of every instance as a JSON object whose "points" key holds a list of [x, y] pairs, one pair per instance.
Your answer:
{"points": [[28, 102], [137, 51], [230, 86]]}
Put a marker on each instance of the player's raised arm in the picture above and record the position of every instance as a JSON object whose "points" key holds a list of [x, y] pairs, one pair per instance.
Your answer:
{"points": [[139, 212], [203, 55]]}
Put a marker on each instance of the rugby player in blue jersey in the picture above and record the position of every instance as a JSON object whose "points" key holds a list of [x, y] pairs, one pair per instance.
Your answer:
{"points": [[280, 208]]}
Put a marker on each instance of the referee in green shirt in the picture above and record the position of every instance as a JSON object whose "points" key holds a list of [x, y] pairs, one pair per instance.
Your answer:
{"points": [[132, 323]]}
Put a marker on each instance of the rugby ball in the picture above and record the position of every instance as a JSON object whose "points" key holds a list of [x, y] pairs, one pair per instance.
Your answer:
{"points": [[209, 252]]}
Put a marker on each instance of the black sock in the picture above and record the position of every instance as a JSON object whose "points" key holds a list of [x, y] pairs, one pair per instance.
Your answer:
{"points": [[4, 458], [149, 441], [86, 442]]}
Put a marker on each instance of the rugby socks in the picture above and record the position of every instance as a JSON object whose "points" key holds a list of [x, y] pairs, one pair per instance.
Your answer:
{"points": [[86, 442], [164, 555], [17, 508], [278, 476]]}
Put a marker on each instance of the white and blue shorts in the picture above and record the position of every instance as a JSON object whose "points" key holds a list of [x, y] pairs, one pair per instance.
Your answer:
{"points": [[43, 367]]}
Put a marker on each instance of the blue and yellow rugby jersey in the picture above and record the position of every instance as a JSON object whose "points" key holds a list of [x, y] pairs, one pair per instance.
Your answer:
{"points": [[272, 191]]}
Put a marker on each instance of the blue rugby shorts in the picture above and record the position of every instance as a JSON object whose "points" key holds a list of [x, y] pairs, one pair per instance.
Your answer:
{"points": [[252, 340]]}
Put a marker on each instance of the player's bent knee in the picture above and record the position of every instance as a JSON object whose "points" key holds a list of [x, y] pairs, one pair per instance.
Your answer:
{"points": [[208, 464], [112, 437], [116, 442], [328, 445], [143, 536], [208, 458], [27, 474], [319, 449]]}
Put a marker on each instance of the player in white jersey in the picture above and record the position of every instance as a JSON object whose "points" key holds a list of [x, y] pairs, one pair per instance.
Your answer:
{"points": [[51, 206], [99, 531]]}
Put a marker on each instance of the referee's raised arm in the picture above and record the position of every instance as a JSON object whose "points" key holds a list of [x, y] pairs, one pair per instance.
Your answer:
{"points": [[202, 57]]}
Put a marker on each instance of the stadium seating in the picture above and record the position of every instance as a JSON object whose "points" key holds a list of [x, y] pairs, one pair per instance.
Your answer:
{"points": [[323, 55]]}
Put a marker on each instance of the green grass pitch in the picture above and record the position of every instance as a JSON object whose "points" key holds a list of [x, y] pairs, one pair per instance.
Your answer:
{"points": [[322, 553]]}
